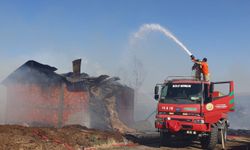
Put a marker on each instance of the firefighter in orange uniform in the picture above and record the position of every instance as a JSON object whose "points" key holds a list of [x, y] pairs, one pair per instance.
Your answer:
{"points": [[204, 68]]}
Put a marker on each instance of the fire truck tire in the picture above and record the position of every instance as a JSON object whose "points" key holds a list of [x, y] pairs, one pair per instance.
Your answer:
{"points": [[225, 135], [209, 142], [165, 139]]}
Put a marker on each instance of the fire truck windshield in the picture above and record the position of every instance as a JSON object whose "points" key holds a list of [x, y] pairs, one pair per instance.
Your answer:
{"points": [[181, 93]]}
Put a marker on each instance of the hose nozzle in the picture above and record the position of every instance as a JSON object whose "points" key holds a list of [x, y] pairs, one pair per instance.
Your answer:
{"points": [[192, 57]]}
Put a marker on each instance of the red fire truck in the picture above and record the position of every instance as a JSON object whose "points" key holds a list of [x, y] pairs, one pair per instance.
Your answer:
{"points": [[194, 109]]}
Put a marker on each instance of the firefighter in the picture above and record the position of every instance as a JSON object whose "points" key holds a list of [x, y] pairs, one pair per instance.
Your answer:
{"points": [[196, 68], [204, 67]]}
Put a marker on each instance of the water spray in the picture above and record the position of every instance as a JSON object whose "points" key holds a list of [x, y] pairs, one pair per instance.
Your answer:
{"points": [[156, 27]]}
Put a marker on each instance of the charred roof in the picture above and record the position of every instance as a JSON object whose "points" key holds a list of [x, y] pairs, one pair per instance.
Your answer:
{"points": [[34, 72]]}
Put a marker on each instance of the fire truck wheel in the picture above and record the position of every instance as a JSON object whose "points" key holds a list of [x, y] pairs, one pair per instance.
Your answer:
{"points": [[224, 134], [165, 139], [209, 142]]}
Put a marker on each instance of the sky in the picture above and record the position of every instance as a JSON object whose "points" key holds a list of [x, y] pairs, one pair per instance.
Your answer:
{"points": [[55, 32], [99, 32]]}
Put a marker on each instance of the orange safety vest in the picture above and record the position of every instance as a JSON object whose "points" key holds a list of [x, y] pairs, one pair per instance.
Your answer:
{"points": [[204, 68]]}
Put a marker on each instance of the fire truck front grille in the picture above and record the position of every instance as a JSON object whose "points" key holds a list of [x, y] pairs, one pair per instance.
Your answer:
{"points": [[187, 126], [184, 120]]}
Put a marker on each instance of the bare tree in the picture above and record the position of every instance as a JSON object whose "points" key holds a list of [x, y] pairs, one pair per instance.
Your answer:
{"points": [[138, 75]]}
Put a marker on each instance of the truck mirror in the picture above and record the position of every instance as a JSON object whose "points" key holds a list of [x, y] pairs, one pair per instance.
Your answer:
{"points": [[156, 96], [211, 90], [156, 90]]}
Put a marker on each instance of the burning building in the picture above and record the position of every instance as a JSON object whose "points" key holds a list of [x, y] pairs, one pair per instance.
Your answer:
{"points": [[37, 95]]}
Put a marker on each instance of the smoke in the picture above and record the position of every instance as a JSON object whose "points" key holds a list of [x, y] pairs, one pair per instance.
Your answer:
{"points": [[239, 73], [161, 61], [140, 71], [61, 60], [150, 60], [156, 27], [145, 61], [2, 104], [240, 118], [6, 68]]}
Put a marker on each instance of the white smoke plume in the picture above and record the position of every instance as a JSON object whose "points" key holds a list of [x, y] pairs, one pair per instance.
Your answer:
{"points": [[156, 27]]}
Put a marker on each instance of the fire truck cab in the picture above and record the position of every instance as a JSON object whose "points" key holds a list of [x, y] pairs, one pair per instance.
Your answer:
{"points": [[194, 108]]}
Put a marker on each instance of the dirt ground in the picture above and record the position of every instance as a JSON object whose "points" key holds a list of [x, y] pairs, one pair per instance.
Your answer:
{"points": [[76, 137], [233, 143], [236, 140]]}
